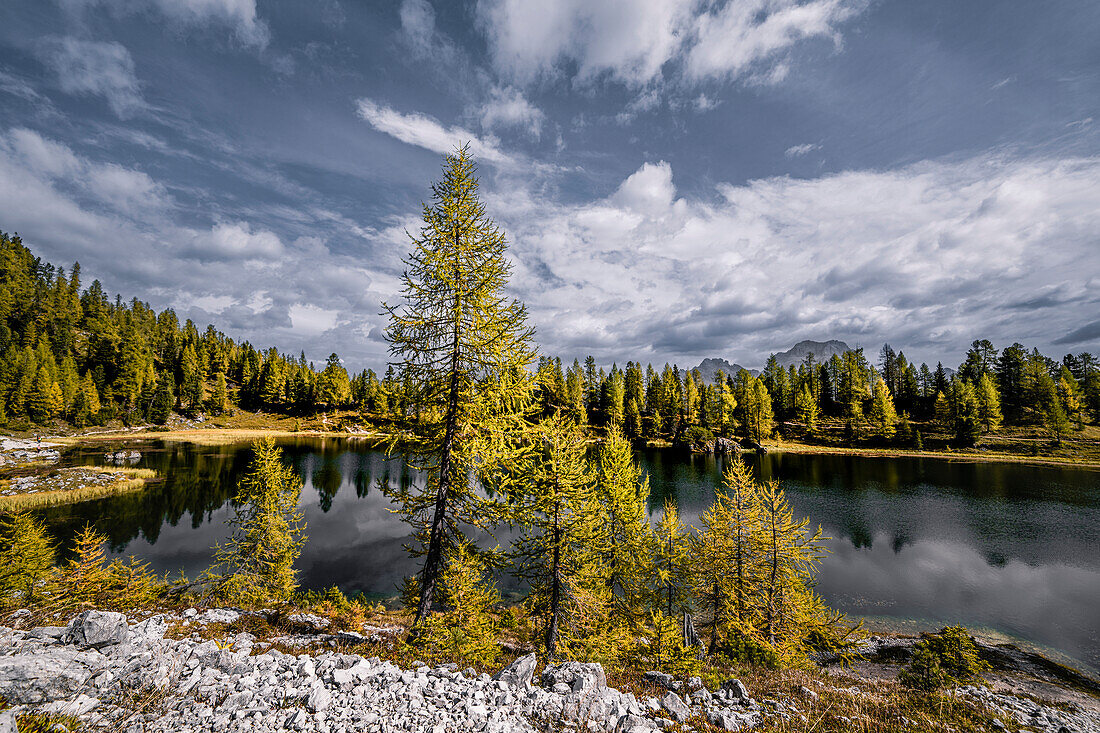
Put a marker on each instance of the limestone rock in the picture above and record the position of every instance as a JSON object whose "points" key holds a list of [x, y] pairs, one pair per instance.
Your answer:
{"points": [[519, 673], [39, 678], [580, 676], [675, 706], [98, 629]]}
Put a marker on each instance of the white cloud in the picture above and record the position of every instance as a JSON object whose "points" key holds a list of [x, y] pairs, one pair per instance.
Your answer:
{"points": [[928, 257], [236, 241], [729, 39], [507, 107], [238, 15], [631, 41], [311, 320], [627, 39], [418, 23], [797, 151], [427, 132], [95, 67]]}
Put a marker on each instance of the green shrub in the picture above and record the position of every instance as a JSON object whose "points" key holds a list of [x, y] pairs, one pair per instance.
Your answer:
{"points": [[946, 659]]}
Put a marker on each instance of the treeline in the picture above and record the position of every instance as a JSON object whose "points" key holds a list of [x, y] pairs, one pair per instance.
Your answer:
{"points": [[990, 389], [77, 355]]}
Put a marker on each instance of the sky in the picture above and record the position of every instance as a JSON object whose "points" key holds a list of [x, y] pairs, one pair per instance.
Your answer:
{"points": [[678, 179]]}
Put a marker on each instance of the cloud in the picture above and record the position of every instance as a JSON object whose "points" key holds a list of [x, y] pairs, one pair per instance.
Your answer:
{"points": [[236, 241], [927, 257], [240, 275], [633, 41], [98, 68], [628, 40], [238, 15], [797, 151], [1089, 333], [507, 107], [730, 39], [427, 132]]}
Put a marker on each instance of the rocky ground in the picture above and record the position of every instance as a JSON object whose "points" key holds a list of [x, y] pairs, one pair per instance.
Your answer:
{"points": [[114, 675], [15, 452]]}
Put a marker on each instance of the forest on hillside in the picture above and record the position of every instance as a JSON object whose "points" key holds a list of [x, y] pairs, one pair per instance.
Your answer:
{"points": [[76, 355]]}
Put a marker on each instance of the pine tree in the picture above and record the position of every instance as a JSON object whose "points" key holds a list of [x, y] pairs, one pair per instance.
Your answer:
{"points": [[883, 416], [968, 426], [163, 399], [624, 541], [26, 556], [559, 516], [467, 629], [671, 563], [727, 555], [87, 403], [464, 348], [219, 401], [989, 404], [257, 562], [807, 410], [942, 412]]}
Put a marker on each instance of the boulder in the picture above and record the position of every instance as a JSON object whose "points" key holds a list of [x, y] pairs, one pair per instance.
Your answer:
{"points": [[219, 616], [32, 679], [519, 673], [634, 724], [735, 690], [580, 676], [660, 679], [98, 629], [7, 722], [675, 706], [724, 720]]}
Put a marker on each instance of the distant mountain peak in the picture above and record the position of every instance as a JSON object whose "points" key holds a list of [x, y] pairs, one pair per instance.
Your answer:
{"points": [[710, 367], [822, 351]]}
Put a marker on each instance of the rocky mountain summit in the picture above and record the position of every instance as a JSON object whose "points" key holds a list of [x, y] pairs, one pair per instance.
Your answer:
{"points": [[114, 675]]}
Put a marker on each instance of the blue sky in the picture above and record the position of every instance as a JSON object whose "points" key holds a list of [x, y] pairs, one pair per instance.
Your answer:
{"points": [[678, 178]]}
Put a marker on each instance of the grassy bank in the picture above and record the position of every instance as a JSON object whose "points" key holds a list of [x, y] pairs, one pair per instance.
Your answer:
{"points": [[71, 485], [794, 446]]}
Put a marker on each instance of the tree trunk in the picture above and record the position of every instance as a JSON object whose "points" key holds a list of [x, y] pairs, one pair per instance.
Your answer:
{"points": [[433, 561], [555, 591]]}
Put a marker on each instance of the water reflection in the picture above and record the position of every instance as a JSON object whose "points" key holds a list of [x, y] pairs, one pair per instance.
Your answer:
{"points": [[1006, 546]]}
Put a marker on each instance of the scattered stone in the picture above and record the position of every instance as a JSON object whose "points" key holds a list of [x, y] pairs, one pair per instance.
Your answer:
{"points": [[735, 690], [98, 629], [519, 673], [580, 676], [675, 706], [634, 724]]}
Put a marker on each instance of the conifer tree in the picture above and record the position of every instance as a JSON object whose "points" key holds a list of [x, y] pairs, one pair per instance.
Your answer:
{"points": [[463, 347], [671, 563], [257, 562], [219, 401], [727, 554], [26, 555], [989, 403], [965, 411], [559, 516], [87, 404], [883, 415], [942, 412], [467, 628], [807, 410], [163, 399], [624, 541]]}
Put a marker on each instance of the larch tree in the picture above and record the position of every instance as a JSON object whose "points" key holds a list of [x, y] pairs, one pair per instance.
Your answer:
{"points": [[671, 562], [558, 515], [883, 416], [624, 540], [989, 403], [258, 560], [463, 347]]}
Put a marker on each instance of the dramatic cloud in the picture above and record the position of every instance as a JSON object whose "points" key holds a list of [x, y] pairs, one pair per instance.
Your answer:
{"points": [[929, 256], [426, 132], [92, 67], [631, 42], [125, 229]]}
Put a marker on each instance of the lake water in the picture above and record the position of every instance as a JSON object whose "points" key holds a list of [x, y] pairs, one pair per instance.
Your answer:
{"points": [[1009, 547]]}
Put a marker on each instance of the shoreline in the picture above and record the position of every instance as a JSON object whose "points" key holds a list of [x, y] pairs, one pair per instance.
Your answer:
{"points": [[227, 436]]}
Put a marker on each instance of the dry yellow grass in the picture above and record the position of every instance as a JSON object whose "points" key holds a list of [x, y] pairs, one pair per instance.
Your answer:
{"points": [[130, 479]]}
